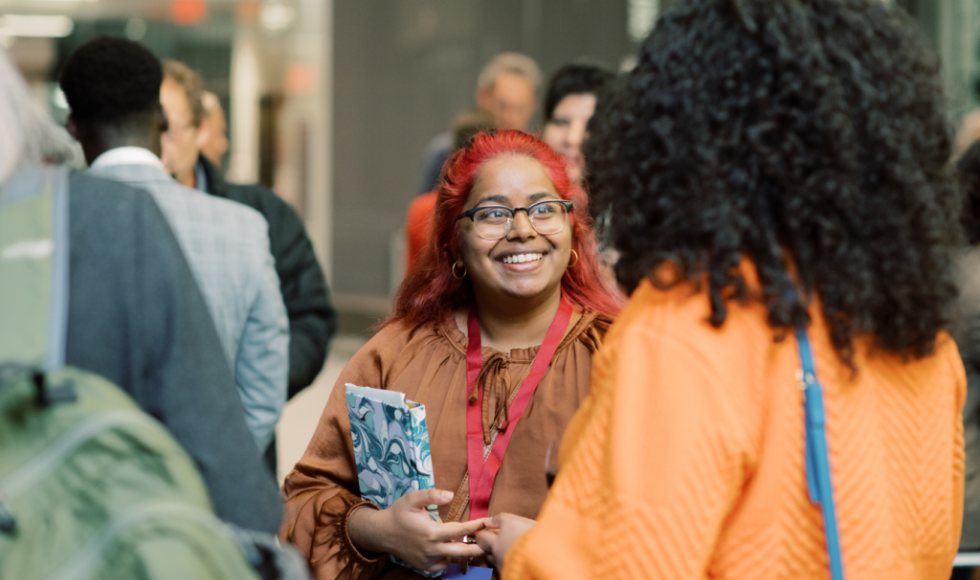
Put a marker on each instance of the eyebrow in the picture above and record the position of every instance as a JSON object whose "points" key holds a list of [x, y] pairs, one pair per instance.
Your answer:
{"points": [[497, 198]]}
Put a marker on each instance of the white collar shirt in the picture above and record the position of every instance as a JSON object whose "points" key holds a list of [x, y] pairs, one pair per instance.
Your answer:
{"points": [[127, 156]]}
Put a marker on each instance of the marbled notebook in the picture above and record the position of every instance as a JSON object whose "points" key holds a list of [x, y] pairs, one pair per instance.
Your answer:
{"points": [[391, 446]]}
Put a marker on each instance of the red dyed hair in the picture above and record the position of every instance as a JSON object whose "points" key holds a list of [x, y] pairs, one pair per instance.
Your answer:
{"points": [[430, 291]]}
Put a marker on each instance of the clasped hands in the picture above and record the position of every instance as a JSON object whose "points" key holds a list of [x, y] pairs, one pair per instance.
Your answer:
{"points": [[406, 530]]}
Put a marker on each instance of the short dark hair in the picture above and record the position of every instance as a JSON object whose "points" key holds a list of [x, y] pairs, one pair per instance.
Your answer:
{"points": [[110, 79], [768, 131], [575, 79], [968, 170]]}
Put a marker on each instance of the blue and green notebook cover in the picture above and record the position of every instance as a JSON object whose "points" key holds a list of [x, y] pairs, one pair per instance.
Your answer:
{"points": [[391, 447]]}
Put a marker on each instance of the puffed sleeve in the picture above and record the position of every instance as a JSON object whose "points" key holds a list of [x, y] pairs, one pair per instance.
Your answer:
{"points": [[322, 490]]}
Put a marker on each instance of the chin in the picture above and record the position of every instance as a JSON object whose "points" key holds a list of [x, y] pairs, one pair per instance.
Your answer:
{"points": [[530, 291]]}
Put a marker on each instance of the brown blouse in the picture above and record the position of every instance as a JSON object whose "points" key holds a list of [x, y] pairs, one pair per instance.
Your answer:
{"points": [[428, 364]]}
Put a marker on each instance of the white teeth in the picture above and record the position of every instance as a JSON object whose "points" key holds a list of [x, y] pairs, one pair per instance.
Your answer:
{"points": [[521, 258]]}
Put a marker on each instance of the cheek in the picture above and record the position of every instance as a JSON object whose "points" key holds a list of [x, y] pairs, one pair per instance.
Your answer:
{"points": [[551, 136], [562, 242], [473, 249]]}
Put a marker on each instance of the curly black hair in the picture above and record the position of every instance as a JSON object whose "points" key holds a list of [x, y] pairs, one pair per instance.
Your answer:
{"points": [[805, 135], [109, 79], [577, 78], [968, 170]]}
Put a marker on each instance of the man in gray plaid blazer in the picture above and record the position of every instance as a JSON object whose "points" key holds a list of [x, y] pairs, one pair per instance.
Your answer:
{"points": [[226, 243]]}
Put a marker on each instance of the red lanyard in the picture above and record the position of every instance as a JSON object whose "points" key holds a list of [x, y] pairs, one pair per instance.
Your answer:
{"points": [[482, 474]]}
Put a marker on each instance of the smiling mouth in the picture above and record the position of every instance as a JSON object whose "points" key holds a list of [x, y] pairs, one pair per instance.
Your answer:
{"points": [[522, 258]]}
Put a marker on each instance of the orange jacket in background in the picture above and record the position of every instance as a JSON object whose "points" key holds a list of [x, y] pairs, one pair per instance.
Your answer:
{"points": [[418, 227]]}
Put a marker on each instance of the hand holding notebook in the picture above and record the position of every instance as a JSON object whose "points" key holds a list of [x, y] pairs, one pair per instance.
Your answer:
{"points": [[394, 468], [405, 530]]}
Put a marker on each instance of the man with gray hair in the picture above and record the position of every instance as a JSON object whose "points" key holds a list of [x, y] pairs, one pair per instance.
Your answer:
{"points": [[507, 88]]}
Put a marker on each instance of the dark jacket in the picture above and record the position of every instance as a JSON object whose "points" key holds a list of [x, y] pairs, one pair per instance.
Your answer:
{"points": [[137, 318], [966, 331], [312, 320]]}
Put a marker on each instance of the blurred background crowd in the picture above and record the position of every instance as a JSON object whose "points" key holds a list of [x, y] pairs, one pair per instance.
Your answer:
{"points": [[347, 110], [333, 104]]}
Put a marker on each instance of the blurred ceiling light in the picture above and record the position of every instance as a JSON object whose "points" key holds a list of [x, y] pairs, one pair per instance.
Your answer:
{"points": [[188, 12], [641, 14], [276, 17], [41, 26]]}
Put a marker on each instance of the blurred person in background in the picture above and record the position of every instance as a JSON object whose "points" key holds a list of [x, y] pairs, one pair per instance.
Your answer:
{"points": [[511, 278], [312, 319], [568, 105], [966, 331], [507, 88], [418, 222], [214, 126], [181, 143], [226, 243], [135, 313], [775, 184]]}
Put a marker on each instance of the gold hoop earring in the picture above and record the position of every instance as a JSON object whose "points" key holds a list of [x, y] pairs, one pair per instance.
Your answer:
{"points": [[460, 276], [572, 265]]}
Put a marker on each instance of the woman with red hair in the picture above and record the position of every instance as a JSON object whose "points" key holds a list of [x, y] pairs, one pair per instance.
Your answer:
{"points": [[494, 332]]}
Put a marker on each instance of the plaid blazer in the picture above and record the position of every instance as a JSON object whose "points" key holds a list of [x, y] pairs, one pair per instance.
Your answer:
{"points": [[227, 247]]}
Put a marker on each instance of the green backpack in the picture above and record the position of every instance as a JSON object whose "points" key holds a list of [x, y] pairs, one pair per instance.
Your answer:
{"points": [[90, 486]]}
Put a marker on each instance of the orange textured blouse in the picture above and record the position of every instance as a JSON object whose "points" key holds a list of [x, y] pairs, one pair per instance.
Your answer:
{"points": [[687, 459]]}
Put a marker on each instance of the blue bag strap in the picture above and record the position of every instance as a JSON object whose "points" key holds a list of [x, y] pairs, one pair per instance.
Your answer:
{"points": [[817, 455]]}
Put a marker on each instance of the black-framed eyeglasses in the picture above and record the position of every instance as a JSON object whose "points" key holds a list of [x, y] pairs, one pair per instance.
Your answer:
{"points": [[492, 222]]}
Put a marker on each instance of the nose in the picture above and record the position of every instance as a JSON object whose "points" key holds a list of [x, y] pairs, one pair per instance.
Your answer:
{"points": [[521, 228], [576, 134]]}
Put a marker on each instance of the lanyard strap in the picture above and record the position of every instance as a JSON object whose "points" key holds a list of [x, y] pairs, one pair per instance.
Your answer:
{"points": [[483, 473], [817, 455]]}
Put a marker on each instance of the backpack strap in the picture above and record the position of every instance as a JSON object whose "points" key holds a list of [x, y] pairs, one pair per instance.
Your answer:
{"points": [[817, 454], [34, 257]]}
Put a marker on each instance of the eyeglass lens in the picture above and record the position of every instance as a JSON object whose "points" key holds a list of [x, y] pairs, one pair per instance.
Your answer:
{"points": [[547, 218]]}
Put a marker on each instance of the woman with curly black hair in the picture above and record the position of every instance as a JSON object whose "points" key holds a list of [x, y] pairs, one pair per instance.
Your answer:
{"points": [[778, 182]]}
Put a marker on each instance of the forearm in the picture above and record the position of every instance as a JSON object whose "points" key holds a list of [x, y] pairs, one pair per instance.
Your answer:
{"points": [[366, 530]]}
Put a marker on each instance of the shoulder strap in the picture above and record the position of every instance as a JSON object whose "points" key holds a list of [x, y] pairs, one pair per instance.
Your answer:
{"points": [[817, 454], [34, 268]]}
